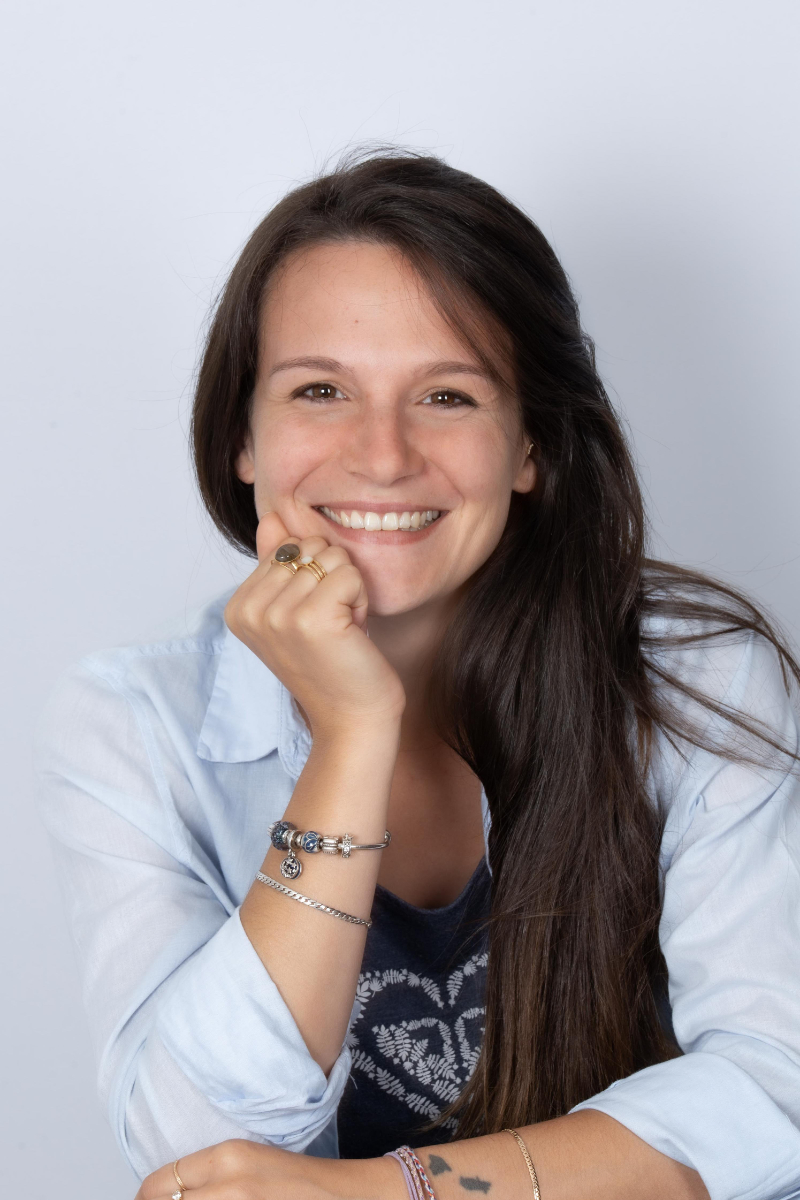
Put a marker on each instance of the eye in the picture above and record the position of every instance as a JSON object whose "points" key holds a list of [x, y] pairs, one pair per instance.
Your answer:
{"points": [[446, 398], [321, 392]]}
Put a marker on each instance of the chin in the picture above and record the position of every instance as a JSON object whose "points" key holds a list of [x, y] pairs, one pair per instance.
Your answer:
{"points": [[392, 602]]}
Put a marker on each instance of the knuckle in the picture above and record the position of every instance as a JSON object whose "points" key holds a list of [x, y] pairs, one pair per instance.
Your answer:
{"points": [[337, 556], [228, 1156], [230, 614]]}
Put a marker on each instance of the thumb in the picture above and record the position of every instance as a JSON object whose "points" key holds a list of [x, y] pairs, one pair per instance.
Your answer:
{"points": [[270, 534]]}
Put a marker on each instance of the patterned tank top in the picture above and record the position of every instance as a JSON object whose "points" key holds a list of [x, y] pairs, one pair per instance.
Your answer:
{"points": [[419, 1019]]}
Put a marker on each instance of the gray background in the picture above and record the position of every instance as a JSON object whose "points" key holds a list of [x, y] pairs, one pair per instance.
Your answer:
{"points": [[655, 144]]}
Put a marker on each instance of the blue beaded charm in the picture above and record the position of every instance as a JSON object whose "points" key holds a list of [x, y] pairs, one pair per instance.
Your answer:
{"points": [[310, 842], [279, 833]]}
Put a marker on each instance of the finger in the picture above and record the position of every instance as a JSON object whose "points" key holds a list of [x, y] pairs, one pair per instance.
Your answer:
{"points": [[277, 574], [304, 581], [270, 534], [343, 584], [194, 1170]]}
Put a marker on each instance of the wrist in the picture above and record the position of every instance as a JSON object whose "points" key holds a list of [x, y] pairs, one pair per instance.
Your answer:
{"points": [[361, 740], [370, 1179]]}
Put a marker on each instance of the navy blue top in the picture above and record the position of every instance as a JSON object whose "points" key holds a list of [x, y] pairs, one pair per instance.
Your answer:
{"points": [[420, 1018]]}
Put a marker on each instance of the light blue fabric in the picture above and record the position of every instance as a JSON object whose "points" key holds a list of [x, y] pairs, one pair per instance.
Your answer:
{"points": [[160, 768]]}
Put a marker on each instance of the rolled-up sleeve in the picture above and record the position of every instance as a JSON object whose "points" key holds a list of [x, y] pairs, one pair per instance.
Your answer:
{"points": [[194, 1041], [730, 933]]}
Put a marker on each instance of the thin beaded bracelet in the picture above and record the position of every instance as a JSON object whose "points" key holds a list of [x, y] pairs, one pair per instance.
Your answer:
{"points": [[417, 1182], [412, 1186]]}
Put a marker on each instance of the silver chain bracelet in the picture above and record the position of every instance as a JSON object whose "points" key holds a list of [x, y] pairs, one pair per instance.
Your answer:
{"points": [[333, 912]]}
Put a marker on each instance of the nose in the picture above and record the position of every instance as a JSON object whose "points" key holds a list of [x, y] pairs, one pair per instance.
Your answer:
{"points": [[381, 447]]}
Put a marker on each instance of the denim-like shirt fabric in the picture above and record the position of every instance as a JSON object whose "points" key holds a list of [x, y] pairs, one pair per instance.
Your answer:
{"points": [[160, 768]]}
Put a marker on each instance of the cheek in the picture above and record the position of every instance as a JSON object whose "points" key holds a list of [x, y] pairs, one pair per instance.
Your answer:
{"points": [[284, 458], [482, 471]]}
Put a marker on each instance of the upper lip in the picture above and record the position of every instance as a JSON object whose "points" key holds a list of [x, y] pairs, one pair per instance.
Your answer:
{"points": [[364, 506]]}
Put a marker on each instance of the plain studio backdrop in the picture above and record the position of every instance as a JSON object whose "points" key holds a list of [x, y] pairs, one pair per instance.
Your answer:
{"points": [[655, 145]]}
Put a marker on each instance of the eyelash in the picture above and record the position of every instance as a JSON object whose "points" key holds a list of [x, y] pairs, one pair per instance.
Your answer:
{"points": [[463, 400]]}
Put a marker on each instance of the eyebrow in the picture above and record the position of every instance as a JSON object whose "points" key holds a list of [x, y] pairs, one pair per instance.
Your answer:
{"points": [[441, 367]]}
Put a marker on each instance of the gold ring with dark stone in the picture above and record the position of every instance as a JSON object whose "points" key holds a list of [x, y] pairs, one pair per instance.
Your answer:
{"points": [[286, 556]]}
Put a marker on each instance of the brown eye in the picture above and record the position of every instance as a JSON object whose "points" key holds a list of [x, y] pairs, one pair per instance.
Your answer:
{"points": [[322, 391], [444, 398]]}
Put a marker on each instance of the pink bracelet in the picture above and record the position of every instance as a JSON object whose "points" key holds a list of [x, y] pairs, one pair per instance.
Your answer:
{"points": [[417, 1182], [411, 1183]]}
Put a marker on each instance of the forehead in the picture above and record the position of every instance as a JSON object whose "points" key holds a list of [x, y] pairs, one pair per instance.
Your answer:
{"points": [[356, 301]]}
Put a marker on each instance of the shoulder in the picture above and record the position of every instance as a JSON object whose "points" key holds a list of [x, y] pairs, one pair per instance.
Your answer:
{"points": [[728, 688], [172, 674]]}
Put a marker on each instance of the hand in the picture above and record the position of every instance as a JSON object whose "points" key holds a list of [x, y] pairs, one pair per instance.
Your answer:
{"points": [[312, 635], [240, 1170]]}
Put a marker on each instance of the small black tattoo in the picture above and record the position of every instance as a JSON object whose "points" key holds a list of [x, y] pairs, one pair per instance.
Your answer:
{"points": [[471, 1183], [437, 1165]]}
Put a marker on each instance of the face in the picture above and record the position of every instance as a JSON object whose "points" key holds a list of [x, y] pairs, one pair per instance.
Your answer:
{"points": [[376, 427]]}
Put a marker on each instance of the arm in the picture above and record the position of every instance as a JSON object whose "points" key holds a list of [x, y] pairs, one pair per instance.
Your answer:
{"points": [[193, 1040], [575, 1157], [722, 1120], [310, 635]]}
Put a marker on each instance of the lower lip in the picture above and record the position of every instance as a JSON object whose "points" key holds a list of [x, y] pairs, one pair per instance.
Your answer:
{"points": [[384, 537]]}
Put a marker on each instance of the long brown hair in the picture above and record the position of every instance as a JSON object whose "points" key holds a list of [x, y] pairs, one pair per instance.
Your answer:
{"points": [[552, 679]]}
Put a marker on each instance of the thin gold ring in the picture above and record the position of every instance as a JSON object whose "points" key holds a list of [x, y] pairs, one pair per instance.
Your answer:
{"points": [[290, 566], [181, 1185], [314, 567]]}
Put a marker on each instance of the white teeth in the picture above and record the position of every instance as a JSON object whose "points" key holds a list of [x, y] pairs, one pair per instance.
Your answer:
{"points": [[389, 521]]}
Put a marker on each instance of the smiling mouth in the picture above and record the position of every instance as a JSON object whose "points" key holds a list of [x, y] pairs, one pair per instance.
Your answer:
{"points": [[372, 522]]}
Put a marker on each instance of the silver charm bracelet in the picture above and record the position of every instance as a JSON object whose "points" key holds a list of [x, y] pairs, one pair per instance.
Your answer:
{"points": [[286, 836], [333, 912]]}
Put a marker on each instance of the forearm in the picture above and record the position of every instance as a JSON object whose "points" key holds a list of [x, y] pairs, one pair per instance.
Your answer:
{"points": [[576, 1156], [313, 958]]}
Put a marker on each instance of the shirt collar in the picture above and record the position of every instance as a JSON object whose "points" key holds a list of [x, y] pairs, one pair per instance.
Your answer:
{"points": [[251, 714]]}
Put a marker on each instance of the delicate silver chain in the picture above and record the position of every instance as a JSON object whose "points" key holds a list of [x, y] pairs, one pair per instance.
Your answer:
{"points": [[334, 912]]}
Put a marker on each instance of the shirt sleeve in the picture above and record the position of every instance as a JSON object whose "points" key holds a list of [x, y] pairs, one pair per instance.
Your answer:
{"points": [[730, 934], [194, 1041]]}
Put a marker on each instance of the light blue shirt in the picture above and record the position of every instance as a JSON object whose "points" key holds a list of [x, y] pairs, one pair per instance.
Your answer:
{"points": [[160, 768]]}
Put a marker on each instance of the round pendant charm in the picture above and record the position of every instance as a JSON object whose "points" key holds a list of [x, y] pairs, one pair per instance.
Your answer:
{"points": [[291, 867], [310, 842], [287, 553]]}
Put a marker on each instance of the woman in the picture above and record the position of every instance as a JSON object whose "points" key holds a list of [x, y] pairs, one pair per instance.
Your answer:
{"points": [[452, 640]]}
